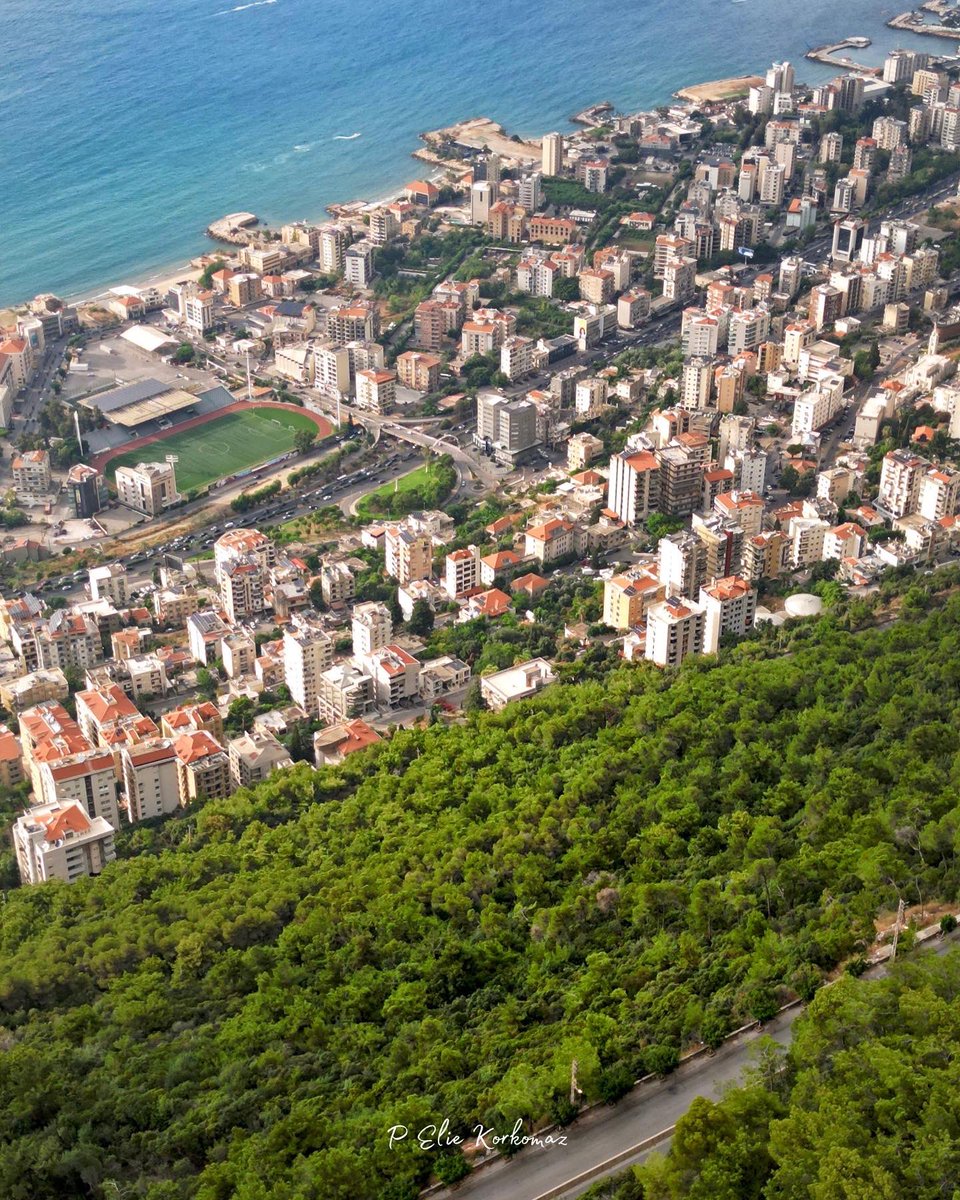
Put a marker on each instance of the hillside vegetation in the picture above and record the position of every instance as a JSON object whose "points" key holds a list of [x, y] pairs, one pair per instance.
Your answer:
{"points": [[865, 1104], [610, 872]]}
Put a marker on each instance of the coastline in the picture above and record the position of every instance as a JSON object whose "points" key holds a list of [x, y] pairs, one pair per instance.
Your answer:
{"points": [[164, 277], [177, 269]]}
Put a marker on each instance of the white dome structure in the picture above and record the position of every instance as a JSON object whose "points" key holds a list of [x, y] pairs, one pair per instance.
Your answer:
{"points": [[803, 605]]}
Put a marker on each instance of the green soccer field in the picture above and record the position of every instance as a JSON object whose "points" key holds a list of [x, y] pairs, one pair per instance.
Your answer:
{"points": [[222, 446]]}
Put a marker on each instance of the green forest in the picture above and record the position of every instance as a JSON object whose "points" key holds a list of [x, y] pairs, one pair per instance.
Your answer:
{"points": [[865, 1105], [245, 1003]]}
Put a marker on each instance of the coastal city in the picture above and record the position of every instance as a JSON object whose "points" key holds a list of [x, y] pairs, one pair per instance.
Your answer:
{"points": [[480, 602], [624, 394]]}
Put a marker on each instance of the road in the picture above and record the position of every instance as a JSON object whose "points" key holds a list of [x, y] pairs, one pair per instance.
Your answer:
{"points": [[607, 1133]]}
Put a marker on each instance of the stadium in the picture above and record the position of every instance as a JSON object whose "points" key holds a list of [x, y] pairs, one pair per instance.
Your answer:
{"points": [[214, 436]]}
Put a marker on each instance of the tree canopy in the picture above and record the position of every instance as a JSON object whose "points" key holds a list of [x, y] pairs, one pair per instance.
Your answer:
{"points": [[246, 1001]]}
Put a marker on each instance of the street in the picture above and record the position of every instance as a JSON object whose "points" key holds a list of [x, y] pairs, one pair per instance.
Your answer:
{"points": [[607, 1133]]}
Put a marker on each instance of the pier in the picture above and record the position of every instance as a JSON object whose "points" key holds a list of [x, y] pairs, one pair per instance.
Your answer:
{"points": [[832, 56], [235, 228], [596, 114], [913, 22]]}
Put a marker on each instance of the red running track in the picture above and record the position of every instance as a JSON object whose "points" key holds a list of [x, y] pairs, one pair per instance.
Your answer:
{"points": [[101, 460]]}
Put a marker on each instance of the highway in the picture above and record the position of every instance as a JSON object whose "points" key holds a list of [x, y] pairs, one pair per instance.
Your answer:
{"points": [[609, 1133]]}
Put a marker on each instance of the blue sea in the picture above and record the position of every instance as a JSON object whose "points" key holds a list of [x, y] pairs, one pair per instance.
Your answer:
{"points": [[126, 126]]}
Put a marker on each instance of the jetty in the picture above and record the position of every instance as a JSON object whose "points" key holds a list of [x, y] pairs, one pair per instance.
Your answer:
{"points": [[831, 55], [235, 228], [595, 114], [915, 22]]}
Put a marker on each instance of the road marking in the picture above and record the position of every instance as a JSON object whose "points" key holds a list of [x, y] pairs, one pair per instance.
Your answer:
{"points": [[608, 1164]]}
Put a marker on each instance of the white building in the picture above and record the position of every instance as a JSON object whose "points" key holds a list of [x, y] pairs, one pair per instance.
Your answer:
{"points": [[307, 653], [730, 605], [59, 841], [675, 629], [372, 628], [516, 683], [109, 582], [150, 780]]}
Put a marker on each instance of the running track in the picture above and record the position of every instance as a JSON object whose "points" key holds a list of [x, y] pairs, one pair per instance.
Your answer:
{"points": [[100, 461]]}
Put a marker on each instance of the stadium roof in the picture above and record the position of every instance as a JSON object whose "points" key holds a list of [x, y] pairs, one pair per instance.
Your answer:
{"points": [[136, 403]]}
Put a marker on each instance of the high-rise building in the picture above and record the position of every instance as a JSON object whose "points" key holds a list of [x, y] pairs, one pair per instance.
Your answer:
{"points": [[831, 147], [506, 428], [372, 627], [530, 192], [409, 554], [85, 483], [682, 563], [730, 606], [483, 195], [307, 653], [675, 629], [552, 154], [150, 782], [461, 572], [634, 488]]}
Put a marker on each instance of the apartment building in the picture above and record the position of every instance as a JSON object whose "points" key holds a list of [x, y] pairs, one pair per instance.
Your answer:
{"points": [[730, 606], [372, 627], [337, 583], [151, 786], [68, 641], [241, 588], [203, 769], [60, 841], [239, 653], [681, 563], [254, 757], [409, 554], [99, 708], [377, 390], [552, 540], [109, 582], [193, 718], [627, 598], [461, 572], [682, 463], [174, 605], [900, 479], [765, 556], [149, 487], [31, 473], [634, 486], [844, 541], [395, 675], [939, 493], [346, 692], [11, 759], [419, 371], [89, 778], [307, 653], [552, 154], [675, 629]]}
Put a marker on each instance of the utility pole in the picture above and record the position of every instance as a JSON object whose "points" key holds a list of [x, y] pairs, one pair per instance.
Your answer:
{"points": [[249, 383], [896, 930], [575, 1091]]}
